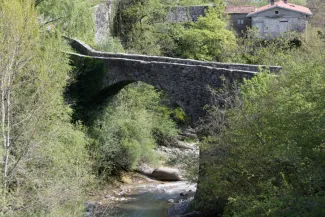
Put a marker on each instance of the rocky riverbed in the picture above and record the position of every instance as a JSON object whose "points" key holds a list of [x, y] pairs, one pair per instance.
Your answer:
{"points": [[150, 199], [159, 191]]}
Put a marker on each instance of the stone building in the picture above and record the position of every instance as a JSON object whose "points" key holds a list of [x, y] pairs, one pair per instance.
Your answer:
{"points": [[271, 20], [237, 15], [238, 19], [278, 17]]}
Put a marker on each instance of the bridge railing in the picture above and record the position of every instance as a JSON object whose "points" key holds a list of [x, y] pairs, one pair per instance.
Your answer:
{"points": [[85, 49]]}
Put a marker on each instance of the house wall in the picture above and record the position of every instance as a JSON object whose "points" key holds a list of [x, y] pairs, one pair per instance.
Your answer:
{"points": [[238, 27], [271, 24]]}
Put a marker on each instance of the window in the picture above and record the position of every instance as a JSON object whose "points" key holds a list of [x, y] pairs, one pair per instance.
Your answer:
{"points": [[276, 12], [240, 21], [283, 26]]}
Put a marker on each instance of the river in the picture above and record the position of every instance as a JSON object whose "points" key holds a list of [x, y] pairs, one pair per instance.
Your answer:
{"points": [[151, 200]]}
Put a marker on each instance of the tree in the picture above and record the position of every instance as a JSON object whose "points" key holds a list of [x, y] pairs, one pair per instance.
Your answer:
{"points": [[252, 49], [207, 38], [72, 17], [16, 50], [138, 23], [267, 156], [41, 150], [317, 7]]}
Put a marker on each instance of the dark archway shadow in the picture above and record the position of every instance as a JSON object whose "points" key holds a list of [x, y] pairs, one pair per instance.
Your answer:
{"points": [[88, 94]]}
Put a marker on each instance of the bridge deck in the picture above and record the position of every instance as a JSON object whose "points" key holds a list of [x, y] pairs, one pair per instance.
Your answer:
{"points": [[149, 61], [85, 49]]}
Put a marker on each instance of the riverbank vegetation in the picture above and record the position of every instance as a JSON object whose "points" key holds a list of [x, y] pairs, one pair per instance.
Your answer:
{"points": [[123, 132], [268, 145], [44, 161], [265, 145]]}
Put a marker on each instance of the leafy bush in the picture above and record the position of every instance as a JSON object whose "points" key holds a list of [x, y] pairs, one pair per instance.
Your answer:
{"points": [[44, 163], [110, 44], [208, 38], [123, 131], [267, 158]]}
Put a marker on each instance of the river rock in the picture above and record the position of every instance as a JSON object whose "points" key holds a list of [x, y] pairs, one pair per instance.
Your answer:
{"points": [[144, 169], [179, 209], [183, 145], [192, 214], [90, 206], [166, 174]]}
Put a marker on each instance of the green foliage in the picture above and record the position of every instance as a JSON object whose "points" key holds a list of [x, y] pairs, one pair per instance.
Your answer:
{"points": [[142, 28], [179, 114], [72, 17], [207, 38], [292, 47], [317, 7], [135, 23], [255, 50], [110, 44], [168, 36], [267, 158], [44, 163], [123, 131]]}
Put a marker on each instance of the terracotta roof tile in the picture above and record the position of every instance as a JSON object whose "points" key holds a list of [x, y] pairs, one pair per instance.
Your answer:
{"points": [[232, 9], [281, 4]]}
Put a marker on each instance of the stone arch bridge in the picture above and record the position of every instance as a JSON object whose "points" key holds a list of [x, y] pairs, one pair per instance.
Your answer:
{"points": [[187, 82]]}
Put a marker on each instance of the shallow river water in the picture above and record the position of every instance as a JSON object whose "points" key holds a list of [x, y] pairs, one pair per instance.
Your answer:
{"points": [[151, 200]]}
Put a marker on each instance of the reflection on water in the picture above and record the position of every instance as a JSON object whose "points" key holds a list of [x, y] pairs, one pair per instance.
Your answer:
{"points": [[151, 204], [152, 200]]}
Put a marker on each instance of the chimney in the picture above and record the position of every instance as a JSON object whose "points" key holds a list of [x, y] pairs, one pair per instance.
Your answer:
{"points": [[272, 2]]}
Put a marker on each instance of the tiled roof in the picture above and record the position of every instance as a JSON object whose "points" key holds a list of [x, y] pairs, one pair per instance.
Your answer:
{"points": [[232, 9], [281, 4]]}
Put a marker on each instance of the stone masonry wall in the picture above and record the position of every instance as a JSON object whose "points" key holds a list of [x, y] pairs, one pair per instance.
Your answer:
{"points": [[187, 82], [103, 15], [186, 14], [84, 49], [186, 85]]}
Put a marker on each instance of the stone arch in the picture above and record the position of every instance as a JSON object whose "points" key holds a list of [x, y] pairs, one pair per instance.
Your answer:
{"points": [[186, 86], [187, 82]]}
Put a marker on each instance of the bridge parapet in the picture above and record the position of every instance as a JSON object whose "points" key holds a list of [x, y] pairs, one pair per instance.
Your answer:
{"points": [[85, 49]]}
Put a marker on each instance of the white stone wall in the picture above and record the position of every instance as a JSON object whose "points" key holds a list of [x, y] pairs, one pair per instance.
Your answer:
{"points": [[186, 14], [103, 18], [271, 24], [178, 14]]}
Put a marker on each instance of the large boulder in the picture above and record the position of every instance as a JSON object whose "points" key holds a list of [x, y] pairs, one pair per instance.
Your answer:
{"points": [[144, 169], [166, 174]]}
